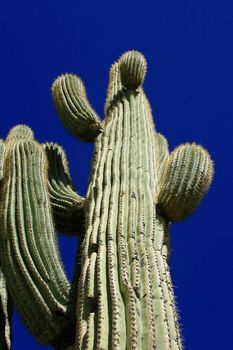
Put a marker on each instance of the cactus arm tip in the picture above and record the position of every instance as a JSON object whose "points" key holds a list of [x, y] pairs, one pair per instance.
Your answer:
{"points": [[19, 132], [133, 67], [186, 179], [74, 109]]}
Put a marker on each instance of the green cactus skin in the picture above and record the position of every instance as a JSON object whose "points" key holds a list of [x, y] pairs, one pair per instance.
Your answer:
{"points": [[135, 304], [6, 306], [125, 296], [67, 205], [6, 309], [73, 108], [188, 174], [133, 69], [121, 295], [31, 262], [163, 154], [2, 158], [5, 314]]}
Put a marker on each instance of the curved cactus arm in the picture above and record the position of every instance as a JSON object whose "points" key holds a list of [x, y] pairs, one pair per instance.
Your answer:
{"points": [[187, 177], [67, 205], [73, 108], [30, 258]]}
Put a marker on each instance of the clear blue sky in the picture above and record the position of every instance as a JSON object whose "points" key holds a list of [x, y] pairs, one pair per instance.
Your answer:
{"points": [[189, 48]]}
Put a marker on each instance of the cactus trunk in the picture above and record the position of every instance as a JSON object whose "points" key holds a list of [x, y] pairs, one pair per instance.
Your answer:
{"points": [[125, 296]]}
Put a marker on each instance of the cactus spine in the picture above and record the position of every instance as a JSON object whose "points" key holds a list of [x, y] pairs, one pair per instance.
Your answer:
{"points": [[122, 289]]}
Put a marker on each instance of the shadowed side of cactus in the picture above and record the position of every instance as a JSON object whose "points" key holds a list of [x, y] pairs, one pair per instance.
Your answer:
{"points": [[125, 295], [67, 205]]}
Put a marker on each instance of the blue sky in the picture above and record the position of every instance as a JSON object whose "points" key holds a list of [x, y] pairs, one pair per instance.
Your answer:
{"points": [[189, 48]]}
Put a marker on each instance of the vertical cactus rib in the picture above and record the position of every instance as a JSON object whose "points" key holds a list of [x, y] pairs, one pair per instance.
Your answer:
{"points": [[73, 108], [89, 243], [161, 337], [67, 205], [117, 335], [90, 208], [2, 158], [163, 153], [166, 320], [133, 194], [6, 305], [6, 309], [148, 336], [124, 268], [104, 309], [30, 256]]}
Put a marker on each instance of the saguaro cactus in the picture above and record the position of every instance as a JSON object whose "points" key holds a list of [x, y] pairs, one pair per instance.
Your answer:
{"points": [[121, 296]]}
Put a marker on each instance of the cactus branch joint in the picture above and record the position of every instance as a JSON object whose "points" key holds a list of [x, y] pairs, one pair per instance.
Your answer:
{"points": [[121, 295]]}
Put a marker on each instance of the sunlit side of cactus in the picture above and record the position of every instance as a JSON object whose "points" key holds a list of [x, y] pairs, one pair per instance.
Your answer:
{"points": [[121, 296]]}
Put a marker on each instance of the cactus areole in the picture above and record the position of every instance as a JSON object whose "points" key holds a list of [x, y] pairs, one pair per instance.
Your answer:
{"points": [[121, 296]]}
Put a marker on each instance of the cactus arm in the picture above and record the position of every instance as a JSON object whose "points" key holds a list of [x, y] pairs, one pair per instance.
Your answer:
{"points": [[73, 108], [67, 205], [186, 179], [30, 258]]}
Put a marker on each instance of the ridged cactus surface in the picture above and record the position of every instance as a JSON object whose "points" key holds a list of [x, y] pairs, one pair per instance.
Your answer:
{"points": [[121, 295]]}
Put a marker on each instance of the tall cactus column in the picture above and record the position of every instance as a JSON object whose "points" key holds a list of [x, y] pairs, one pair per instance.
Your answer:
{"points": [[130, 270], [125, 296], [31, 264]]}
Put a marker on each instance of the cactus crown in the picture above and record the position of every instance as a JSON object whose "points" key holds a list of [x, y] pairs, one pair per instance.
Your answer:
{"points": [[20, 132]]}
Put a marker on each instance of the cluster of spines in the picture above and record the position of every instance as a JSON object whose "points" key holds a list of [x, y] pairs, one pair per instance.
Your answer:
{"points": [[30, 257]]}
